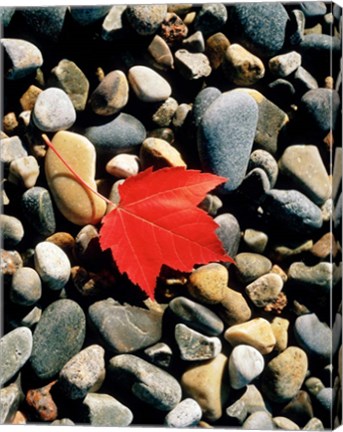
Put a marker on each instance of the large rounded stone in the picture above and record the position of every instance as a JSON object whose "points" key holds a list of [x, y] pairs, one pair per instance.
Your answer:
{"points": [[202, 101]]}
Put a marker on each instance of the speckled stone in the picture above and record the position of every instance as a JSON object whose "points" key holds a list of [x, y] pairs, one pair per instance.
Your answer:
{"points": [[26, 287], [233, 309], [41, 402], [191, 65], [159, 154], [173, 30], [255, 240], [38, 210], [12, 230], [146, 19], [86, 16], [164, 114], [186, 414], [265, 289], [202, 101], [10, 123], [210, 18], [181, 115], [11, 149], [263, 159], [228, 232], [250, 266], [101, 409], [259, 420], [280, 329], [24, 171], [245, 364], [208, 283], [45, 22], [10, 262], [284, 64], [29, 97], [313, 9]]}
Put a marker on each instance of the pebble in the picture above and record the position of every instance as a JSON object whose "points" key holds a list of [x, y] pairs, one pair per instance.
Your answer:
{"points": [[10, 123], [181, 115], [83, 373], [173, 30], [136, 328], [6, 15], [228, 232], [10, 262], [11, 149], [211, 204], [164, 114], [62, 422], [113, 27], [186, 414], [326, 398], [284, 423], [10, 398], [86, 244], [256, 333], [58, 336], [299, 409], [150, 384], [16, 347], [111, 95], [280, 329], [251, 401], [282, 93], [253, 23], [29, 97], [313, 9], [210, 18], [297, 26], [12, 230], [196, 316], [195, 346], [70, 78], [250, 266], [159, 153], [265, 289], [314, 424], [195, 43], [29, 319], [255, 185], [42, 403], [305, 168], [128, 130], [24, 58], [259, 420], [159, 354], [304, 81], [255, 240], [208, 283], [123, 165], [314, 385], [232, 114], [285, 374], [104, 410], [294, 209], [38, 210], [245, 364], [284, 64], [46, 22], [52, 265], [148, 85], [26, 287], [314, 336], [202, 101], [146, 19], [242, 67], [87, 16], [233, 308], [160, 52], [318, 277], [191, 65], [75, 202], [195, 384], [216, 46], [24, 171]]}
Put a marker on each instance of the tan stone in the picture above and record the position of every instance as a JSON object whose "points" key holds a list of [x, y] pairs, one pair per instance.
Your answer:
{"points": [[28, 99], [325, 246], [216, 46], [280, 330], [234, 309], [208, 283], [77, 204], [160, 52], [257, 332], [204, 383], [10, 123], [278, 270], [123, 165], [24, 170], [265, 289], [159, 153]]}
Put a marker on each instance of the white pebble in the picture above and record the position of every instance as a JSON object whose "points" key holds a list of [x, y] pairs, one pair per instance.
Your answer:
{"points": [[123, 166], [245, 364]]}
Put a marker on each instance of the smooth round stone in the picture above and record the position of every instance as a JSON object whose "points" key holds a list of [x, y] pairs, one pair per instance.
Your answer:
{"points": [[195, 42], [284, 423], [264, 160], [6, 14], [284, 375], [195, 346], [38, 210], [280, 330], [232, 114], [53, 111], [136, 328], [313, 9], [265, 289], [228, 232], [216, 46], [234, 309], [191, 65], [159, 354], [251, 266], [210, 18], [253, 23], [325, 398], [314, 385], [123, 165], [160, 52], [77, 204], [58, 336], [24, 58], [245, 364], [255, 240], [315, 424], [24, 171], [12, 230], [70, 78], [10, 399], [164, 114], [86, 16], [46, 22], [294, 209], [195, 384], [208, 283], [52, 265], [11, 149], [284, 64], [147, 382], [202, 101], [26, 287], [211, 204], [256, 333], [314, 336], [16, 347], [113, 25], [111, 95], [241, 67], [104, 410], [186, 414], [159, 154], [259, 420], [127, 130], [83, 373], [297, 26], [146, 19], [196, 316]]}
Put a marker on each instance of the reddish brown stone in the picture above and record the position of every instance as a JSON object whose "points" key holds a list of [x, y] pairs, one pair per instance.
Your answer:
{"points": [[278, 305], [325, 246], [173, 29], [19, 418], [10, 262], [42, 403], [28, 99], [216, 46]]}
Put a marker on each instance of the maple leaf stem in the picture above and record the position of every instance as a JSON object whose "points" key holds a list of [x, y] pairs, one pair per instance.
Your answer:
{"points": [[75, 174]]}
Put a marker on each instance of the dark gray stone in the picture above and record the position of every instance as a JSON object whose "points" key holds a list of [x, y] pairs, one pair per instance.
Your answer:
{"points": [[6, 14], [263, 159], [196, 316], [313, 8], [45, 21], [296, 26], [11, 149], [10, 398], [250, 266], [86, 16], [146, 381], [26, 288], [228, 232], [202, 101], [186, 414], [38, 210], [233, 114], [210, 18], [59, 335], [159, 354], [100, 409], [146, 19], [136, 328], [12, 230]]}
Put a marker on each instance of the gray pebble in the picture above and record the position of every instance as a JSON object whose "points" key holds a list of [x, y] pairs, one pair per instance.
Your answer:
{"points": [[24, 171], [191, 65], [313, 8], [228, 232], [186, 414], [100, 409], [46, 22], [27, 319], [12, 230], [11, 149], [317, 278], [196, 316], [113, 25], [87, 16], [159, 354], [15, 347], [265, 289], [38, 210], [211, 204], [202, 101], [10, 398], [62, 422], [194, 43], [26, 288], [146, 19], [325, 398], [58, 336], [259, 420], [149, 383], [245, 364], [304, 81], [250, 266], [263, 159], [53, 111], [210, 18], [255, 240], [297, 26], [6, 14]]}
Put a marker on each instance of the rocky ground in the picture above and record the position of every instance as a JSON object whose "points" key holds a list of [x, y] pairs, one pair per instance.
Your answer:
{"points": [[246, 91]]}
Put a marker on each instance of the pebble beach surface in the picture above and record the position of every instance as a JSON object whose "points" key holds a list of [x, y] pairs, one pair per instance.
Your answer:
{"points": [[245, 91]]}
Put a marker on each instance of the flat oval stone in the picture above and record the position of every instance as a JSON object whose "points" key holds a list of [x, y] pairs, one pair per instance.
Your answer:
{"points": [[46, 22], [58, 336], [265, 289], [136, 328], [186, 414], [233, 308], [87, 16], [147, 382], [250, 266], [24, 58], [53, 111], [208, 283], [146, 19], [75, 202], [202, 101], [16, 347], [148, 85], [284, 64], [37, 208], [285, 374], [12, 230], [26, 287], [225, 117], [159, 153], [245, 364], [263, 159], [228, 232], [52, 265]]}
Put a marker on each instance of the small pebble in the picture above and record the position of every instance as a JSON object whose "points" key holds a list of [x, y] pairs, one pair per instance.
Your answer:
{"points": [[28, 99], [24, 170], [123, 165], [195, 42], [259, 420], [38, 210], [317, 277], [233, 308], [146, 20], [12, 230], [314, 385], [10, 399], [255, 240], [284, 423], [245, 364], [186, 414], [211, 204], [297, 26], [113, 25], [45, 22], [148, 85], [159, 354], [280, 329], [26, 288], [228, 232], [104, 410], [10, 123], [211, 18], [173, 30], [284, 64], [192, 66], [314, 424], [41, 403], [11, 149], [159, 154], [208, 283], [251, 266], [163, 116], [265, 289], [181, 115], [160, 52], [87, 16], [10, 262]]}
